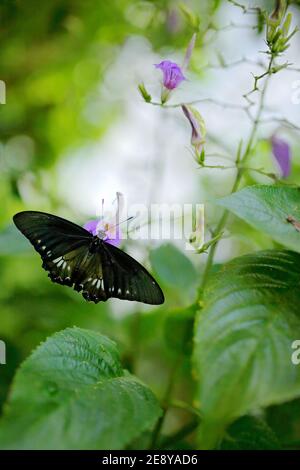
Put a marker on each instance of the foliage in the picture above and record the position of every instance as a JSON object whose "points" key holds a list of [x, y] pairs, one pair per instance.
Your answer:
{"points": [[211, 368], [76, 377], [250, 433], [243, 338], [269, 209]]}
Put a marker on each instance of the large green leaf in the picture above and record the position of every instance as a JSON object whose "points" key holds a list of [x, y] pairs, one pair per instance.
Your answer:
{"points": [[174, 270], [284, 419], [250, 433], [267, 208], [243, 337], [72, 393]]}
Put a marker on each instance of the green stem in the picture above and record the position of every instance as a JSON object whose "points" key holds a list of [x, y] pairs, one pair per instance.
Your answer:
{"points": [[181, 434], [166, 404], [233, 167], [239, 175], [219, 228], [186, 407]]}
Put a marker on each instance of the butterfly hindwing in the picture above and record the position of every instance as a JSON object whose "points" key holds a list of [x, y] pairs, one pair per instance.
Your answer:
{"points": [[81, 270], [127, 279], [75, 258]]}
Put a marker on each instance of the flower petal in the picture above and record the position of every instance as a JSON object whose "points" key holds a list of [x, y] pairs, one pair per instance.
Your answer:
{"points": [[172, 74], [112, 232], [282, 154], [91, 226]]}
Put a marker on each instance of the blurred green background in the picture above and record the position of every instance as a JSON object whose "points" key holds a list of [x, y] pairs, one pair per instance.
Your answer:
{"points": [[55, 56]]}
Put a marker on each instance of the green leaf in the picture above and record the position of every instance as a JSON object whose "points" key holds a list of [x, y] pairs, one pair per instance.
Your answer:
{"points": [[243, 337], [250, 433], [285, 420], [72, 393], [173, 267], [267, 208], [144, 93]]}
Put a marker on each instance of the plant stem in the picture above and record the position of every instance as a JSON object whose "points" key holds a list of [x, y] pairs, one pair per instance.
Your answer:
{"points": [[181, 434], [186, 407], [166, 403], [239, 175], [219, 228]]}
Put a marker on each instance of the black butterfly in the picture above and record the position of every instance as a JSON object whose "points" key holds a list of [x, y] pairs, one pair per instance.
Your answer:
{"points": [[76, 258]]}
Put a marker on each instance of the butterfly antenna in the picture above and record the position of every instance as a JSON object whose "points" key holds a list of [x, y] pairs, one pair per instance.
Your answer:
{"points": [[123, 221], [102, 208]]}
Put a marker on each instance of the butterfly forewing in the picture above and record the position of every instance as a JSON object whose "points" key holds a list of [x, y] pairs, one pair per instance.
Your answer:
{"points": [[74, 257], [63, 246], [50, 235]]}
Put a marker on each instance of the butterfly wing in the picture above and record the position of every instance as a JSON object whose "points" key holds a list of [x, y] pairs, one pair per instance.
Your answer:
{"points": [[63, 246], [50, 235], [127, 279], [99, 274]]}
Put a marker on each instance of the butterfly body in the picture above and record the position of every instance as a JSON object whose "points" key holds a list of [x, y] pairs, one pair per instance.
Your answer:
{"points": [[95, 244], [76, 258]]}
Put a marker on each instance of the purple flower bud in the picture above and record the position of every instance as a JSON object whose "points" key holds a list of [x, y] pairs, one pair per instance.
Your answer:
{"points": [[282, 154], [172, 74], [198, 127], [173, 22], [189, 52]]}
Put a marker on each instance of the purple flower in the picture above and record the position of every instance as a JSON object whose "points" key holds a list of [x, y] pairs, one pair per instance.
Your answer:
{"points": [[107, 226], [104, 230], [91, 226], [109, 232], [282, 154], [172, 74]]}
